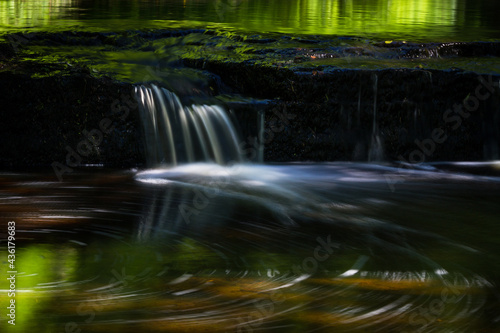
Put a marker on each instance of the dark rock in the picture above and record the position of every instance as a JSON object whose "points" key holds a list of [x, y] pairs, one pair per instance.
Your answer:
{"points": [[334, 112], [315, 113], [42, 117]]}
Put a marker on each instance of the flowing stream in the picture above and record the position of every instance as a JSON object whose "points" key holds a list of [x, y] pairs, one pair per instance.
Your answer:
{"points": [[198, 244], [202, 239]]}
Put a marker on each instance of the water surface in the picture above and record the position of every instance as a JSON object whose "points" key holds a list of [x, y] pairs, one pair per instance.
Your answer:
{"points": [[430, 20], [286, 248]]}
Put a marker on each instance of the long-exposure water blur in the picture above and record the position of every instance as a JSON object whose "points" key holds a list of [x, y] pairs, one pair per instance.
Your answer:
{"points": [[249, 166]]}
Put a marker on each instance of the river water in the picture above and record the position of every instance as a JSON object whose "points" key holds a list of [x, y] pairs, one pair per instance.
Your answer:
{"points": [[330, 247], [430, 20], [297, 247]]}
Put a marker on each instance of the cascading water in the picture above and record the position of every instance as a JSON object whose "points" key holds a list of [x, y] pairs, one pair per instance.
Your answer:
{"points": [[376, 152], [324, 230], [178, 134]]}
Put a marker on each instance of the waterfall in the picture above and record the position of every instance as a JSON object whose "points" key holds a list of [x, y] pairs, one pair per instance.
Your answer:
{"points": [[376, 151], [178, 134]]}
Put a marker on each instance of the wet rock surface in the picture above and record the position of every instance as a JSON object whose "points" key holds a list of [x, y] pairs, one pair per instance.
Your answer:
{"points": [[68, 119], [328, 99], [410, 115]]}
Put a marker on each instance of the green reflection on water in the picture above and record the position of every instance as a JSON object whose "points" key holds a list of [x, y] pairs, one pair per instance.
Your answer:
{"points": [[403, 19], [24, 14], [39, 268]]}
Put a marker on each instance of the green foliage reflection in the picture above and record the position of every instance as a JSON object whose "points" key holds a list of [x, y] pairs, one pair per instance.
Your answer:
{"points": [[402, 19]]}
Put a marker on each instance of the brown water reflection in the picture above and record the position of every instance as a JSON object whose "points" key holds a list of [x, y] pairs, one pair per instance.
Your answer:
{"points": [[312, 249]]}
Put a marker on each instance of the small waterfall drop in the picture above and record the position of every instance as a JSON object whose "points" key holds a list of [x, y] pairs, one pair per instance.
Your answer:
{"points": [[376, 151], [178, 134]]}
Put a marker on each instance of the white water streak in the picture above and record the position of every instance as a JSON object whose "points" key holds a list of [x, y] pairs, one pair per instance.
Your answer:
{"points": [[179, 134]]}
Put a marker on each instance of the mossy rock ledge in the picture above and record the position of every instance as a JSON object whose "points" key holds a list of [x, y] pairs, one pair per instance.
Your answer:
{"points": [[50, 112]]}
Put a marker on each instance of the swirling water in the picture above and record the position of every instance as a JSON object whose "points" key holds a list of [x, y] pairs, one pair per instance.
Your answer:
{"points": [[289, 248]]}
